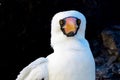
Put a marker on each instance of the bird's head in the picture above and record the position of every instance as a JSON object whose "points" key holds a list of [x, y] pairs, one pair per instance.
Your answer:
{"points": [[67, 25]]}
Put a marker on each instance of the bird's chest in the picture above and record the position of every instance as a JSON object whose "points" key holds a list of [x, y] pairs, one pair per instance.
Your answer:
{"points": [[67, 67]]}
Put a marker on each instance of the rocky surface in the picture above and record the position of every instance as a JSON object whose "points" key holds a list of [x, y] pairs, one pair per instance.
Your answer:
{"points": [[108, 56], [25, 26]]}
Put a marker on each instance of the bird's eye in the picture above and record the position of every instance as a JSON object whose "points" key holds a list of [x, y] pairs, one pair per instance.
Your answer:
{"points": [[78, 21], [62, 22]]}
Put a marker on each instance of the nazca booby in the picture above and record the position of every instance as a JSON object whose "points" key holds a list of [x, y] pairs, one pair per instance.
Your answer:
{"points": [[72, 58]]}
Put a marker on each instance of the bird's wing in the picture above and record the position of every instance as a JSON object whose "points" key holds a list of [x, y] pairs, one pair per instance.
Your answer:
{"points": [[37, 70]]}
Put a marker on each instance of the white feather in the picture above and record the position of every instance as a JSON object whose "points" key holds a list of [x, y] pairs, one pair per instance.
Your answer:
{"points": [[36, 70], [72, 58]]}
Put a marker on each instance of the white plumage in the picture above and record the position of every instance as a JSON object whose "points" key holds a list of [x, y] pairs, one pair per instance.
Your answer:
{"points": [[37, 70], [72, 58]]}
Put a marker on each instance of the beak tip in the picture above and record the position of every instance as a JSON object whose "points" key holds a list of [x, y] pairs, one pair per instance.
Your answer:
{"points": [[70, 34]]}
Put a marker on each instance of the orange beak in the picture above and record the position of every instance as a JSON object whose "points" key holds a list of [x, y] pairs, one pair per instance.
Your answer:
{"points": [[70, 27]]}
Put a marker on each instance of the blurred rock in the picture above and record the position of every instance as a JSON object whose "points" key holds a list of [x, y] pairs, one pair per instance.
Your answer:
{"points": [[108, 62]]}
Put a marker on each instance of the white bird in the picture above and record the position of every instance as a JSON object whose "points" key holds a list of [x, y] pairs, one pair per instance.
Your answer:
{"points": [[72, 58]]}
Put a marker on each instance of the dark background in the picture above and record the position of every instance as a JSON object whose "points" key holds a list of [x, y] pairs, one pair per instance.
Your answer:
{"points": [[25, 28]]}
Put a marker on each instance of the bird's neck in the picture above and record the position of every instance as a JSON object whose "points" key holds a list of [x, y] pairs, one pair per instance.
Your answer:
{"points": [[71, 44]]}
